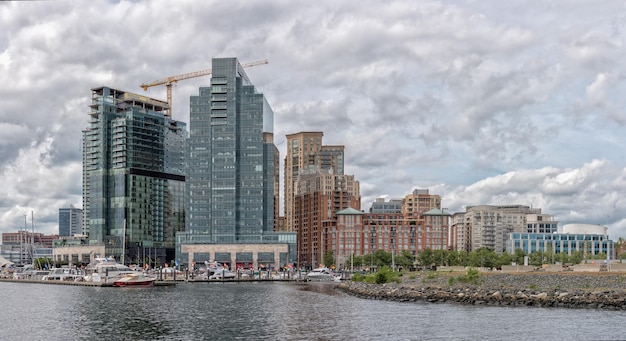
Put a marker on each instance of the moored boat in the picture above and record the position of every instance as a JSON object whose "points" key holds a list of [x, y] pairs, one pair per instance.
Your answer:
{"points": [[222, 273], [320, 274], [134, 280], [102, 269], [63, 274]]}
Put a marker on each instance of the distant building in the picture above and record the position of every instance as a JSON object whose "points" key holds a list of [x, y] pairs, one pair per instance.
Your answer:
{"points": [[357, 233], [460, 233], [586, 238], [436, 224], [307, 155], [488, 226], [22, 247], [70, 221], [418, 202], [318, 197], [133, 176], [382, 206]]}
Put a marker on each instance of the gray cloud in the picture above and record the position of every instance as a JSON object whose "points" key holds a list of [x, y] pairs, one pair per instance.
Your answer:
{"points": [[482, 102]]}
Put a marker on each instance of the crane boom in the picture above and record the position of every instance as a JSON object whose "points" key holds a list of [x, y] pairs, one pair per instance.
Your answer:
{"points": [[173, 79]]}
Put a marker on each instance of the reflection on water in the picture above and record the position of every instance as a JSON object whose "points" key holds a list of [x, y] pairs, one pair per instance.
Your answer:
{"points": [[272, 311]]}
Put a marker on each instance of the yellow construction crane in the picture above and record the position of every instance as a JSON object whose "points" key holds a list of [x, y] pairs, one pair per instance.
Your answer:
{"points": [[173, 79]]}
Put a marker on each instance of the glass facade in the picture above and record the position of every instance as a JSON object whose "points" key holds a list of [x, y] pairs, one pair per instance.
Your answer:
{"points": [[230, 177], [560, 242], [133, 170], [70, 221]]}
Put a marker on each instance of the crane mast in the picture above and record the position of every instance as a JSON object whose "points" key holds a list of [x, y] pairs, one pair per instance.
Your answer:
{"points": [[169, 81]]}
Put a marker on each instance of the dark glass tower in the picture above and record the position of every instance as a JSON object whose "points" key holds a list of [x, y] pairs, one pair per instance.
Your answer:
{"points": [[231, 171], [133, 176]]}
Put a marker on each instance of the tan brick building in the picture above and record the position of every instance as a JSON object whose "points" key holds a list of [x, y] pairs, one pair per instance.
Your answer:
{"points": [[317, 200]]}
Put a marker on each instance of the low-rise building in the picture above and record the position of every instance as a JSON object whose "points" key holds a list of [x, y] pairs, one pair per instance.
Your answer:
{"points": [[591, 240]]}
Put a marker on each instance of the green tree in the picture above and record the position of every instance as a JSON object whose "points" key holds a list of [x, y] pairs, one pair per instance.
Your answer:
{"points": [[504, 259], [562, 257], [440, 257], [536, 258], [600, 255], [40, 263], [576, 257], [519, 256], [381, 257], [483, 257], [425, 258], [329, 258], [549, 254], [620, 246], [405, 259], [455, 258]]}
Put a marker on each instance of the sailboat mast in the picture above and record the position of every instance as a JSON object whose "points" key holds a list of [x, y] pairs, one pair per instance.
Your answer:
{"points": [[123, 243]]}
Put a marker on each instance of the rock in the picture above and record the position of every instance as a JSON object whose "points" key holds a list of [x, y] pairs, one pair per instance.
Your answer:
{"points": [[567, 290]]}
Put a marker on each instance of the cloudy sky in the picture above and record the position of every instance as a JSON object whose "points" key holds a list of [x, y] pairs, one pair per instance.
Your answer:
{"points": [[482, 102]]}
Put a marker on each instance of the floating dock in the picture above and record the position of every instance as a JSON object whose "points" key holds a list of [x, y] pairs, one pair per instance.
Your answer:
{"points": [[79, 283]]}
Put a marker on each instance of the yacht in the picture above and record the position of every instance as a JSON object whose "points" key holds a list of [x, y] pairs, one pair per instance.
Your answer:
{"points": [[63, 274], [320, 274], [222, 273], [101, 269], [134, 280]]}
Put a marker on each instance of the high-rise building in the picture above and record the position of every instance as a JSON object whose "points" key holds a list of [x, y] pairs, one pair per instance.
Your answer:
{"points": [[318, 197], [231, 158], [70, 221], [231, 174], [133, 176], [279, 221], [307, 155], [418, 202]]}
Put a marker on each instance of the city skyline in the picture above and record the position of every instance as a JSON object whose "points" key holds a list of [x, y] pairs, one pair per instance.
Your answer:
{"points": [[481, 103]]}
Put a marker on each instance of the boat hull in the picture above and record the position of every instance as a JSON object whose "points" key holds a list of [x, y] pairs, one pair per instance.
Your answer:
{"points": [[141, 283], [134, 280]]}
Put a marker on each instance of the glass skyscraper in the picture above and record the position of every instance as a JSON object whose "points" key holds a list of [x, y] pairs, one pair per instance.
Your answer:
{"points": [[133, 176], [231, 163], [70, 221]]}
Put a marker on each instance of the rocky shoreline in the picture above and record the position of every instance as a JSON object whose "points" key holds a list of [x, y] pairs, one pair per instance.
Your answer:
{"points": [[562, 290]]}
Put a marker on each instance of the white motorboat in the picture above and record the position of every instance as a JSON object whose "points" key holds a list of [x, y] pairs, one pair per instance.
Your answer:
{"points": [[320, 274], [222, 273], [134, 280], [63, 274], [101, 269]]}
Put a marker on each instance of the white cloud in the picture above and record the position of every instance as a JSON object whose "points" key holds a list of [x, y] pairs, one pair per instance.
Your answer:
{"points": [[484, 102]]}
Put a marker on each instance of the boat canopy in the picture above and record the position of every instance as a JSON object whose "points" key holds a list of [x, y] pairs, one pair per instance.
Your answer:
{"points": [[4, 262]]}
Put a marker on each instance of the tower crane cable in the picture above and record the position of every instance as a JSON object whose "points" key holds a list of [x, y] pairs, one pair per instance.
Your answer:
{"points": [[174, 79]]}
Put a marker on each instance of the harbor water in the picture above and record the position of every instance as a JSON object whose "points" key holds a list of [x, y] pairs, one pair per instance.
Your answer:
{"points": [[274, 311]]}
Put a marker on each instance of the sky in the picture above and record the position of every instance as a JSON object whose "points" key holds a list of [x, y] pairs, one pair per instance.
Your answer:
{"points": [[482, 102]]}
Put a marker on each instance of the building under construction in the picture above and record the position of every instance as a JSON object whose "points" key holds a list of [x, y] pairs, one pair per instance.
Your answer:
{"points": [[133, 176]]}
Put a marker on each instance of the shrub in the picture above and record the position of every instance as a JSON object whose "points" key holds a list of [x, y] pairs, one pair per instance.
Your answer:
{"points": [[451, 281], [357, 277], [471, 276], [383, 275]]}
